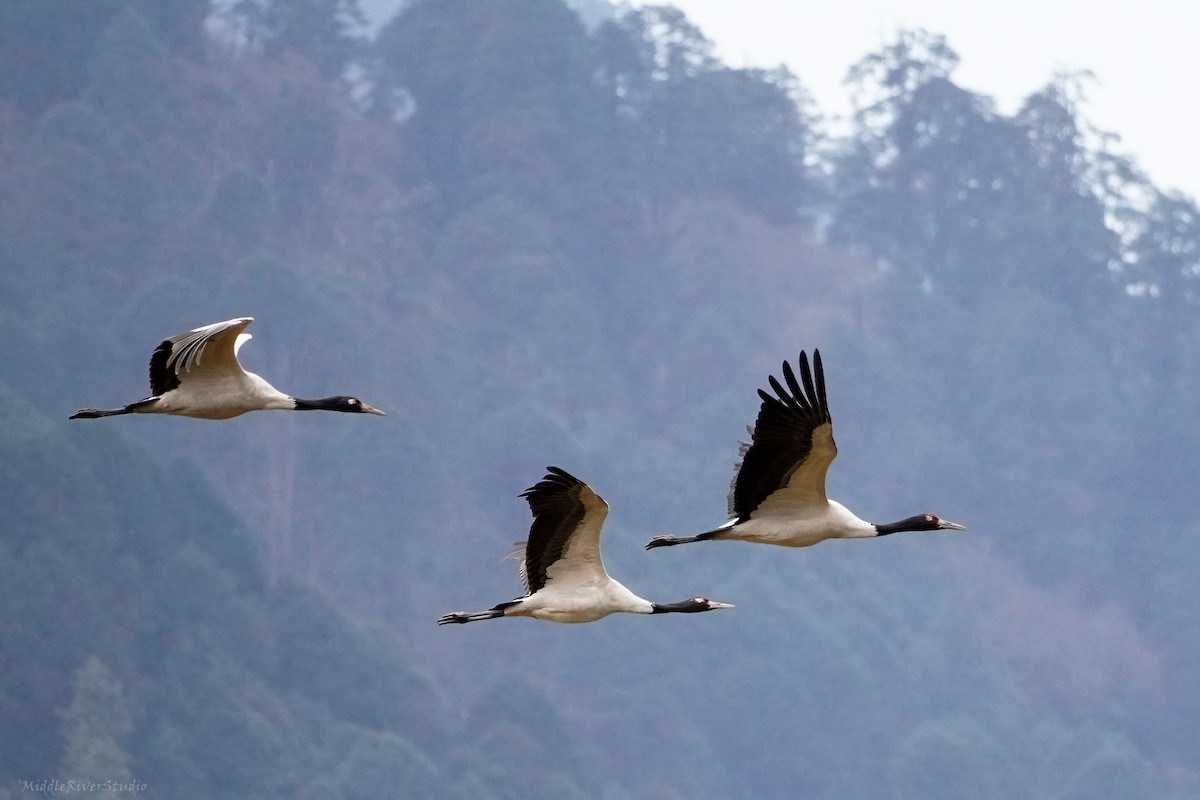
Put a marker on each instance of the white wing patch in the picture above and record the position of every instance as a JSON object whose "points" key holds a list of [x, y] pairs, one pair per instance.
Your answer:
{"points": [[581, 563], [241, 340], [211, 347], [805, 487]]}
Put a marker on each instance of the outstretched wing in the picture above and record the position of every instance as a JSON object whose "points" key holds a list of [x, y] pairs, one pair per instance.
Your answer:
{"points": [[564, 539], [791, 445], [210, 348]]}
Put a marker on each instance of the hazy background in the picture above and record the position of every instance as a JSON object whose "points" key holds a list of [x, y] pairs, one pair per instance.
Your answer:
{"points": [[1140, 57], [536, 237]]}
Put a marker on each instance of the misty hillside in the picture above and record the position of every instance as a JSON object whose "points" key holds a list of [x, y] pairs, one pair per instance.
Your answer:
{"points": [[537, 241]]}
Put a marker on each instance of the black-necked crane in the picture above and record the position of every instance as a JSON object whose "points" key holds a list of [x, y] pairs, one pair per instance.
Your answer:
{"points": [[197, 374], [778, 490], [560, 564]]}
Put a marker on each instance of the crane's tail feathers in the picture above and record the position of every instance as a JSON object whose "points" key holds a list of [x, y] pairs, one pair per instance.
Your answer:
{"points": [[667, 540]]}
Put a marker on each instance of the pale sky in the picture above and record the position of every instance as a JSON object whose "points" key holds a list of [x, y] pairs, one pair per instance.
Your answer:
{"points": [[1145, 56]]}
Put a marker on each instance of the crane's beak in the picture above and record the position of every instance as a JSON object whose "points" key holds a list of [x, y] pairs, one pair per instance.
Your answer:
{"points": [[366, 409], [714, 604], [947, 525]]}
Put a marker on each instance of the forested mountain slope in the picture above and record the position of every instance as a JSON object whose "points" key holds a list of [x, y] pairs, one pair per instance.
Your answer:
{"points": [[534, 242]]}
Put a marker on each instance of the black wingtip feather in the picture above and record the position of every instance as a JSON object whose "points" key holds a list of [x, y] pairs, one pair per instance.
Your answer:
{"points": [[561, 473], [556, 480], [820, 370], [806, 375], [803, 400], [782, 395]]}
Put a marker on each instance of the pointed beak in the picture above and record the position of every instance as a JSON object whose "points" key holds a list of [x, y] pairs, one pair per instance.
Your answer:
{"points": [[947, 525], [373, 410], [715, 604]]}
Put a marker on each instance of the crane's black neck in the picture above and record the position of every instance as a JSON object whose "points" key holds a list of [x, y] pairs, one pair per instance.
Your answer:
{"points": [[682, 607], [921, 522], [323, 404]]}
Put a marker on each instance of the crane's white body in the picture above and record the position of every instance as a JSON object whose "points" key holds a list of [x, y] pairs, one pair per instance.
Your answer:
{"points": [[798, 525], [208, 394], [559, 602]]}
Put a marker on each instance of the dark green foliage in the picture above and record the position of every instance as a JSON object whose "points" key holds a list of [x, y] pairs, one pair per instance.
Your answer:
{"points": [[953, 196], [514, 121], [534, 242], [218, 685], [53, 41], [351, 673], [376, 761], [295, 147], [325, 33], [132, 79], [239, 214]]}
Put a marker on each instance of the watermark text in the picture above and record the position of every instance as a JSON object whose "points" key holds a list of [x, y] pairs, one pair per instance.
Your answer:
{"points": [[49, 787]]}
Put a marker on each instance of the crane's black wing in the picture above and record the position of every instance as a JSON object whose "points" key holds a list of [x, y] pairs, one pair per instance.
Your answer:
{"points": [[564, 539], [791, 444], [212, 346]]}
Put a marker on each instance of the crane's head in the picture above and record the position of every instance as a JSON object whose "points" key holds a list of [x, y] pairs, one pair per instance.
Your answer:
{"points": [[938, 524], [921, 522]]}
